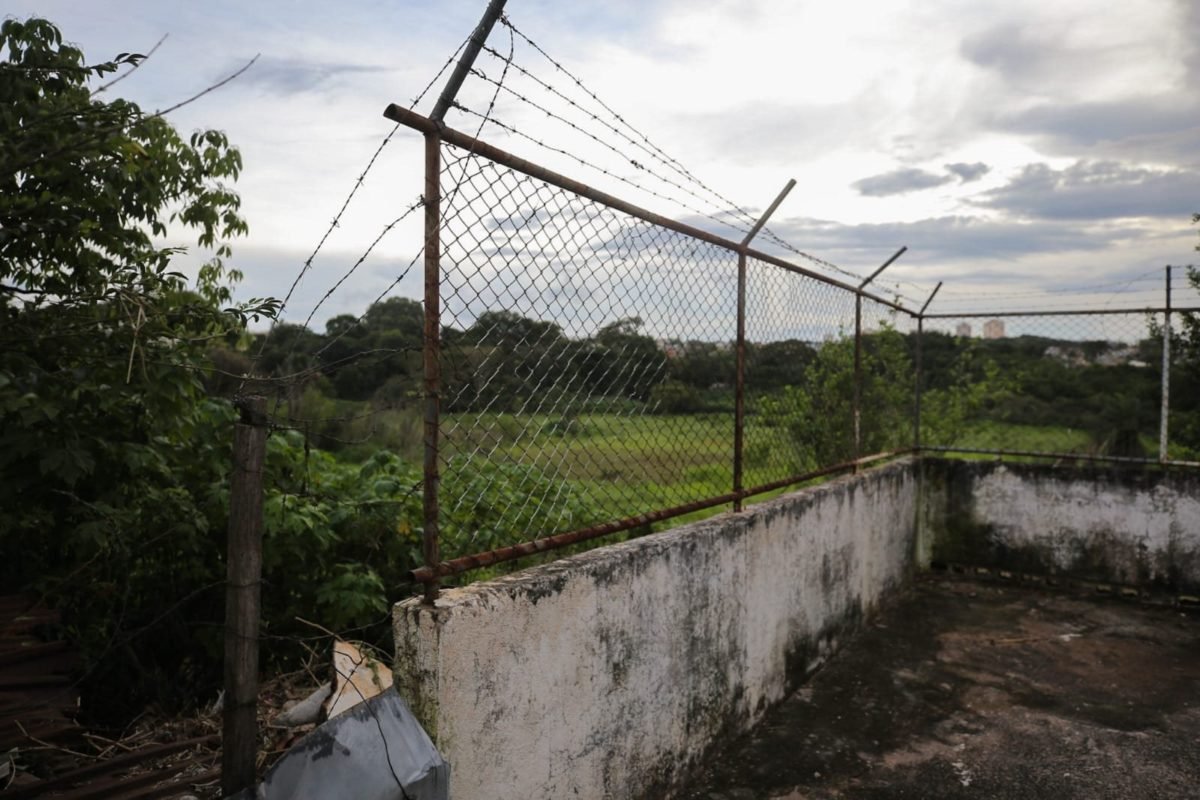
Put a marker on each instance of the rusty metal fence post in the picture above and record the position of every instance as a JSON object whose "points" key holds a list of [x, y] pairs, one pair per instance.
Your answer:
{"points": [[739, 391], [1164, 423], [856, 408], [739, 398], [431, 357], [919, 378], [431, 354]]}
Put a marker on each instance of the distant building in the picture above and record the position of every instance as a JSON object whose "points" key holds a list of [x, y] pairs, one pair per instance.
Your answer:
{"points": [[1069, 356], [1117, 355], [672, 348], [963, 329], [993, 329]]}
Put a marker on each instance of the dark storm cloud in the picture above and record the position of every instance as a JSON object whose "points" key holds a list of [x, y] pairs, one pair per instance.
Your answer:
{"points": [[968, 172], [1095, 191], [900, 181]]}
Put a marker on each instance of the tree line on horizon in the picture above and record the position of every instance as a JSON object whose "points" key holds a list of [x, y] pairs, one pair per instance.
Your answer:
{"points": [[506, 362]]}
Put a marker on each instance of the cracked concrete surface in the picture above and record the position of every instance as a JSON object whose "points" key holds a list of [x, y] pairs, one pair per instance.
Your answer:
{"points": [[985, 690]]}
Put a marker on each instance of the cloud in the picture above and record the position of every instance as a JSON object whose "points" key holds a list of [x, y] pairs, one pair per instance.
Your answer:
{"points": [[968, 172], [294, 75], [1010, 49], [1084, 124], [1092, 86], [1100, 190], [270, 270], [900, 181], [948, 238]]}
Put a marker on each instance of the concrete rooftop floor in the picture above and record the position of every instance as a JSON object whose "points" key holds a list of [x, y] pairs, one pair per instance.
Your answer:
{"points": [[964, 689]]}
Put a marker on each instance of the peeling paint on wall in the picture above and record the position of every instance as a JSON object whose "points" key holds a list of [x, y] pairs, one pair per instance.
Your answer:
{"points": [[1131, 526], [608, 674]]}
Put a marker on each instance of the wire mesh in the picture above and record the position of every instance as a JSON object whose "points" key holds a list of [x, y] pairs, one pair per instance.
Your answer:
{"points": [[570, 333], [1183, 442], [1085, 384], [799, 374], [887, 379], [589, 359]]}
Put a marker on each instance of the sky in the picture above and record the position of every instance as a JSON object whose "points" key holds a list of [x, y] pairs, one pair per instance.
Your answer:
{"points": [[1029, 154]]}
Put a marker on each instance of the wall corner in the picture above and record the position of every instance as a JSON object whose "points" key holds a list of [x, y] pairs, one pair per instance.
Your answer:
{"points": [[417, 629]]}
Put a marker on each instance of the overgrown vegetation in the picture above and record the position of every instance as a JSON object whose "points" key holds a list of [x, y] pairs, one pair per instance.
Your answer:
{"points": [[111, 454], [117, 370]]}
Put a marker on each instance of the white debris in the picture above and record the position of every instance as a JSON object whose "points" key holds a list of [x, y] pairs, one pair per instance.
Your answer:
{"points": [[964, 775], [306, 712], [356, 677]]}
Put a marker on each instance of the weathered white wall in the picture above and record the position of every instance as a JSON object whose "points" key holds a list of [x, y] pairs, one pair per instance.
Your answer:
{"points": [[607, 675], [1133, 526]]}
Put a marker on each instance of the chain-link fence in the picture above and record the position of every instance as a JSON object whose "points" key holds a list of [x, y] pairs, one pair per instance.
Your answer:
{"points": [[597, 368], [587, 360], [1082, 385]]}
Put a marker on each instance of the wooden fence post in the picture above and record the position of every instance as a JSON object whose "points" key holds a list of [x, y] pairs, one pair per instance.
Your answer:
{"points": [[239, 740]]}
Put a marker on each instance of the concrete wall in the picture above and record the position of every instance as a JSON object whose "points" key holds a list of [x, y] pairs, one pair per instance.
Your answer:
{"points": [[608, 674], [1131, 526]]}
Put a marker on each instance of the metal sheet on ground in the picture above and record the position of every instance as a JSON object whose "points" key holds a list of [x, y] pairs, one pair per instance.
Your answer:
{"points": [[375, 751]]}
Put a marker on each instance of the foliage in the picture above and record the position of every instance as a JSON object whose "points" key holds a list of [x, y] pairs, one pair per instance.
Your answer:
{"points": [[109, 452], [818, 415], [973, 386], [675, 397], [337, 536], [1017, 380], [503, 508]]}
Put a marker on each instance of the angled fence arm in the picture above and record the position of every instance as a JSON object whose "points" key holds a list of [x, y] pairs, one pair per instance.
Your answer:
{"points": [[1164, 423], [470, 53], [739, 395]]}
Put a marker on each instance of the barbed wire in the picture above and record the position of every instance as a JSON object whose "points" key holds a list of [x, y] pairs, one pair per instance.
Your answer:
{"points": [[387, 229], [670, 163], [614, 149], [419, 203], [583, 161], [724, 204], [358, 183], [652, 147]]}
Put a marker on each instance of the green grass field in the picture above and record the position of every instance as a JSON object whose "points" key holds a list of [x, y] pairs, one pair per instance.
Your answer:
{"points": [[627, 463]]}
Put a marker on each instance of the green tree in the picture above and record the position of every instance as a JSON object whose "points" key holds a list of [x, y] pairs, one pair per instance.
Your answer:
{"points": [[625, 361], [110, 453], [818, 414]]}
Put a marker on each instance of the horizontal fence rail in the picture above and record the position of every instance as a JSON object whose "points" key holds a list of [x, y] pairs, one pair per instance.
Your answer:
{"points": [[474, 145], [593, 368]]}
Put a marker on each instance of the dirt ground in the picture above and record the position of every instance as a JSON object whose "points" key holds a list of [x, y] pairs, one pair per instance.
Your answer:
{"points": [[968, 689]]}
